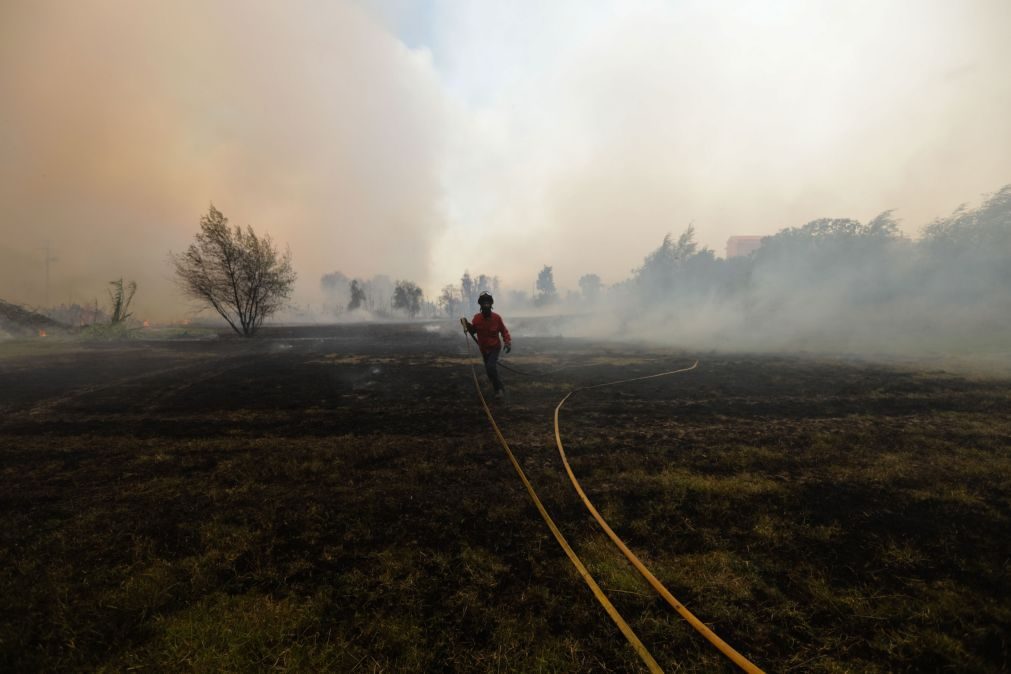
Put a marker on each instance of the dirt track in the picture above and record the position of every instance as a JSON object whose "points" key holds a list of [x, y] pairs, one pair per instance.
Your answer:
{"points": [[819, 514]]}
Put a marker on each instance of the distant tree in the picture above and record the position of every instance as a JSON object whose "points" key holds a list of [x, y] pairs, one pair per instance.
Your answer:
{"points": [[827, 247], [884, 226], [333, 283], [669, 254], [449, 300], [589, 285], [986, 227], [484, 284], [407, 297], [429, 309], [241, 275], [380, 293], [546, 292], [660, 269], [121, 298], [468, 291], [357, 296], [830, 234], [966, 256], [851, 263], [335, 287]]}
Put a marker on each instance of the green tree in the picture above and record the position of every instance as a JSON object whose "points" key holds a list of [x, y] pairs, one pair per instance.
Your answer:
{"points": [[468, 289], [659, 270], [407, 297], [333, 283], [546, 291], [589, 285], [987, 227], [357, 296], [449, 300]]}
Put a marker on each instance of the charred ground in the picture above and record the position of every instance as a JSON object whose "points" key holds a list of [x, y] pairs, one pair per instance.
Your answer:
{"points": [[333, 498]]}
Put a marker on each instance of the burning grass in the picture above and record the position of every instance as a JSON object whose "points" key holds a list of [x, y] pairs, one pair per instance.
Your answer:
{"points": [[341, 505]]}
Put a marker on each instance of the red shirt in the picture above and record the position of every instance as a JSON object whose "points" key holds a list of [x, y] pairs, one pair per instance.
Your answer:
{"points": [[487, 330]]}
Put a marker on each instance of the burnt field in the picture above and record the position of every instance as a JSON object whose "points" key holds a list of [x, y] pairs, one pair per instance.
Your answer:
{"points": [[334, 499]]}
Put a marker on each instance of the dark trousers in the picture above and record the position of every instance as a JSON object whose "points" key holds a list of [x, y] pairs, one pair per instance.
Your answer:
{"points": [[491, 367]]}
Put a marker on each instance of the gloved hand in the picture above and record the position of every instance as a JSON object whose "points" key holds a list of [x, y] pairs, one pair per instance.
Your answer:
{"points": [[508, 348]]}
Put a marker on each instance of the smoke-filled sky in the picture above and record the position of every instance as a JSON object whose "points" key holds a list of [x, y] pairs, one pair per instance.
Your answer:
{"points": [[418, 139]]}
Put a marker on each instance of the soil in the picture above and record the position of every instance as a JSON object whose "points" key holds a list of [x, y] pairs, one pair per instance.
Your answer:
{"points": [[821, 514]]}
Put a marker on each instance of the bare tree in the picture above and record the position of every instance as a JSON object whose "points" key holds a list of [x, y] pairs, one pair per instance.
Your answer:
{"points": [[449, 300], [242, 276]]}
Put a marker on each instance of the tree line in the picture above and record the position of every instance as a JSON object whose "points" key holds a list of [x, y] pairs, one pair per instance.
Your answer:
{"points": [[819, 275]]}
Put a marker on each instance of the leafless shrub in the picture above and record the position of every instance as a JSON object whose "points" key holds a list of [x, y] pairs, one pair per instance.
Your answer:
{"points": [[242, 276]]}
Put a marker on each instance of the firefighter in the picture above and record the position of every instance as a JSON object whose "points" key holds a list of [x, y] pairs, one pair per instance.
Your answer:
{"points": [[487, 325]]}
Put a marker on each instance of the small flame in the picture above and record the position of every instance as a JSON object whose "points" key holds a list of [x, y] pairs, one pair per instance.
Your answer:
{"points": [[147, 324], [42, 332]]}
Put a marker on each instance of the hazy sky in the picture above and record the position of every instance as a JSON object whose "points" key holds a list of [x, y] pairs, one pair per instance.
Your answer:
{"points": [[421, 138]]}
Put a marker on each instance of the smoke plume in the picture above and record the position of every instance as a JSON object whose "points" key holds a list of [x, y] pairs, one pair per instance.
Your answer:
{"points": [[120, 122]]}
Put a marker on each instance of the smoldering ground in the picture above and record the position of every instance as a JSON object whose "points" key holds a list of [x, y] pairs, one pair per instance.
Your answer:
{"points": [[333, 495]]}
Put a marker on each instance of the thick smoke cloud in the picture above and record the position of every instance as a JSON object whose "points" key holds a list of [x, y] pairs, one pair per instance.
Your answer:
{"points": [[603, 126], [121, 121], [831, 285], [419, 140]]}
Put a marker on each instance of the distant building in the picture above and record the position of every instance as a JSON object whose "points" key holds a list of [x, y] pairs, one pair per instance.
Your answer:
{"points": [[742, 246]]}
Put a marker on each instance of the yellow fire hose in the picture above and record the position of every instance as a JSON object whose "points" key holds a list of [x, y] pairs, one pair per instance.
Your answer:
{"points": [[630, 635], [720, 644]]}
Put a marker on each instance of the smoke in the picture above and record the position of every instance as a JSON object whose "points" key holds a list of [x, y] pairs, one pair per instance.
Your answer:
{"points": [[832, 285], [419, 140], [603, 126], [122, 121]]}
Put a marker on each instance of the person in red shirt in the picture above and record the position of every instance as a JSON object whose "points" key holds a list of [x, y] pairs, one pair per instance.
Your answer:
{"points": [[487, 325]]}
